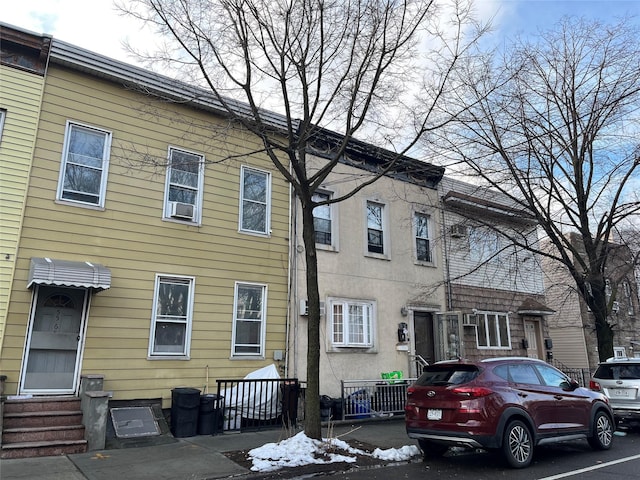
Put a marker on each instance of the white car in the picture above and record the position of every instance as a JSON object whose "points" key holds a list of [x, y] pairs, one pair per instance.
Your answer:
{"points": [[619, 379]]}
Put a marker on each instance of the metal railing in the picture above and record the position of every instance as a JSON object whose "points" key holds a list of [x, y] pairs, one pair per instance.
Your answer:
{"points": [[580, 375], [373, 398], [256, 404]]}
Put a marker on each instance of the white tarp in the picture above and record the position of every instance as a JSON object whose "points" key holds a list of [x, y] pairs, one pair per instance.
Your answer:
{"points": [[258, 401]]}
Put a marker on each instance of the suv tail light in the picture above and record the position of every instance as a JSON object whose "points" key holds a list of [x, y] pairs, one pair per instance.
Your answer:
{"points": [[472, 392], [595, 386]]}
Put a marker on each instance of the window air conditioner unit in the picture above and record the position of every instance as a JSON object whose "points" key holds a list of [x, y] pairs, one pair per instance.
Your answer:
{"points": [[469, 320], [181, 210], [304, 308], [458, 230]]}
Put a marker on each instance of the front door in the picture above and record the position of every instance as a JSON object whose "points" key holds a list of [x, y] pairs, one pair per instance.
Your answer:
{"points": [[423, 330], [531, 334], [51, 361]]}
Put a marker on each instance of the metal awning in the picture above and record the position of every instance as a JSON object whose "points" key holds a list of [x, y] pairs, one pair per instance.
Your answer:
{"points": [[64, 273]]}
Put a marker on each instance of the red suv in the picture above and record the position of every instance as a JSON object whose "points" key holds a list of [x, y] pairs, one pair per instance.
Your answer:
{"points": [[508, 404]]}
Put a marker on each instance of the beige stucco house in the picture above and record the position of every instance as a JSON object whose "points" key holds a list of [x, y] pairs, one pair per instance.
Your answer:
{"points": [[379, 268]]}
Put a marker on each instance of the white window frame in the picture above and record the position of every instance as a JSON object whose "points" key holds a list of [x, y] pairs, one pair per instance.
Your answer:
{"points": [[482, 325], [185, 319], [331, 209], [262, 319], [3, 115], [266, 202], [484, 245], [428, 238], [197, 204], [342, 331], [384, 225], [103, 168]]}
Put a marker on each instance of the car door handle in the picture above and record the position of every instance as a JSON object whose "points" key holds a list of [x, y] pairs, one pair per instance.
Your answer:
{"points": [[558, 397], [523, 395]]}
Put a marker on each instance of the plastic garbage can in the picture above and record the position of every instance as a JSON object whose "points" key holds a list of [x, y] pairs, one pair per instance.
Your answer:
{"points": [[326, 402], [185, 404], [210, 414]]}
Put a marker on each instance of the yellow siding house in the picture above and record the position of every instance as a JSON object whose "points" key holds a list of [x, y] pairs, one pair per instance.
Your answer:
{"points": [[154, 244], [22, 68]]}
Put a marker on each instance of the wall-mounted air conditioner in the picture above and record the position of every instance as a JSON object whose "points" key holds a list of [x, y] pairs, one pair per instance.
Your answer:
{"points": [[469, 320], [458, 231], [304, 308], [181, 210]]}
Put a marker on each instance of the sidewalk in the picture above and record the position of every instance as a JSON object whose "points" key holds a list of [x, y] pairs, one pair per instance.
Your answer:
{"points": [[194, 458]]}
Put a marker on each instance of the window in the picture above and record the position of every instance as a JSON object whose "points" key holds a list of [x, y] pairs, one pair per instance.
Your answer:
{"points": [[249, 319], [375, 228], [484, 245], [185, 176], [493, 330], [254, 201], [3, 114], [351, 323], [423, 244], [171, 318], [85, 158], [552, 377], [322, 219]]}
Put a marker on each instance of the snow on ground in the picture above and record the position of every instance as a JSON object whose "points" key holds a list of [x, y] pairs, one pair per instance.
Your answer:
{"points": [[301, 450]]}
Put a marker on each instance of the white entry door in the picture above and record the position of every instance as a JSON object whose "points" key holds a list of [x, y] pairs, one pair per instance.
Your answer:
{"points": [[52, 357], [531, 334]]}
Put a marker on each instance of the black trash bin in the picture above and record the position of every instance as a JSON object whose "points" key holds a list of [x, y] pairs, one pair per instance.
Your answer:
{"points": [[326, 402], [185, 403], [337, 408], [290, 392], [210, 415]]}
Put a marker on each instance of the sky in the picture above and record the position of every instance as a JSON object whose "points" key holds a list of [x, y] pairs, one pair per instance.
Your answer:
{"points": [[99, 27]]}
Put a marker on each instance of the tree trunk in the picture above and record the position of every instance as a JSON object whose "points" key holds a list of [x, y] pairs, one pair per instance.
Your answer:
{"points": [[599, 305], [313, 428]]}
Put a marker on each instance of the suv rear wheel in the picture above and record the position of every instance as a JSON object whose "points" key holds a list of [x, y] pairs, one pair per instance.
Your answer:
{"points": [[517, 444], [602, 432]]}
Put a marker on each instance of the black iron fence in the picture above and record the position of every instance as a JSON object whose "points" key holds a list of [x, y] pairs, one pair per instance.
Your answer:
{"points": [[255, 404], [580, 375]]}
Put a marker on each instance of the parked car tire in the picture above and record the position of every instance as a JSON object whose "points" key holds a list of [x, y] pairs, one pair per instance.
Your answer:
{"points": [[432, 449], [517, 444], [602, 437]]}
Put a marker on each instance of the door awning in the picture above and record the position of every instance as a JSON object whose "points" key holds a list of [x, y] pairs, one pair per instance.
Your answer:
{"points": [[64, 273]]}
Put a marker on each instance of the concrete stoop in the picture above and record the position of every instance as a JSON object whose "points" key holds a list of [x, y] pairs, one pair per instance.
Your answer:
{"points": [[42, 426]]}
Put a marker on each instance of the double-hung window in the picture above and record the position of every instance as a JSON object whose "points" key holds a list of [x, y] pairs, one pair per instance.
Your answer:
{"points": [[351, 323], [172, 315], [3, 114], [375, 227], [185, 176], [249, 319], [484, 245], [493, 330], [423, 243], [255, 193], [85, 160], [322, 219]]}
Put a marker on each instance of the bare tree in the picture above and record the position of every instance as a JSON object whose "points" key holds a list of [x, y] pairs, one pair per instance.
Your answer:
{"points": [[554, 124], [350, 66]]}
